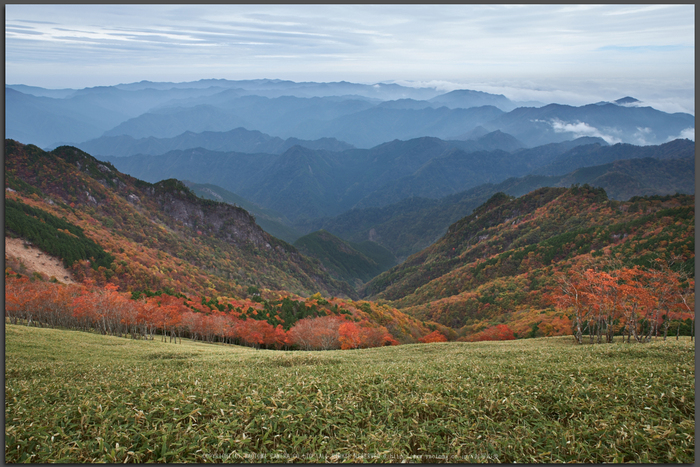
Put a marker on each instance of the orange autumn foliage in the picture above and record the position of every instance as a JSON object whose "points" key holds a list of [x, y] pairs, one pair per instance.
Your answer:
{"points": [[435, 336], [500, 332]]}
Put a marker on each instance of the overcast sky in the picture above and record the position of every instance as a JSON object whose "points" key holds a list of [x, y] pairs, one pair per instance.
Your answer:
{"points": [[572, 54]]}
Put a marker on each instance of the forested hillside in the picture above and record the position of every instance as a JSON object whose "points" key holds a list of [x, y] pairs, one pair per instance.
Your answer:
{"points": [[154, 257], [501, 263], [414, 223], [161, 235], [351, 262], [272, 222]]}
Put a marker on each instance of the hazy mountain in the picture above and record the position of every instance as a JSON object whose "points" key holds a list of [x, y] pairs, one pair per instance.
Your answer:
{"points": [[47, 117], [498, 140], [412, 224], [301, 182], [452, 172], [464, 99], [44, 120], [365, 124], [236, 140], [588, 155], [270, 221], [277, 88], [646, 176], [352, 263], [357, 122], [281, 116], [627, 101], [539, 156], [361, 115], [228, 170], [615, 123], [135, 102], [305, 184], [41, 92], [172, 122], [461, 167], [404, 104], [373, 126]]}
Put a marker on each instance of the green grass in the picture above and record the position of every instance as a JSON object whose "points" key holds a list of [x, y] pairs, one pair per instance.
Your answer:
{"points": [[80, 397]]}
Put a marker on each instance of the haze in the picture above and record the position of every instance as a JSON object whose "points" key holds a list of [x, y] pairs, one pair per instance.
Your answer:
{"points": [[570, 54]]}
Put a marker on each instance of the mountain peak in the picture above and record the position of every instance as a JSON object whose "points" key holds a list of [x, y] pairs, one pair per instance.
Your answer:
{"points": [[499, 140], [466, 98]]}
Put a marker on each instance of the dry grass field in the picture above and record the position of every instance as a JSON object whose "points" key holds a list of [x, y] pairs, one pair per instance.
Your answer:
{"points": [[80, 397]]}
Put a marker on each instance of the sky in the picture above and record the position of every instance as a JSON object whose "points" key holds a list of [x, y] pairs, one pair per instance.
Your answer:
{"points": [[569, 54]]}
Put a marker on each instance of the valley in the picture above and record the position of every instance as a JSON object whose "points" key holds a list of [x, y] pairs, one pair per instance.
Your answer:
{"points": [[349, 233], [455, 211]]}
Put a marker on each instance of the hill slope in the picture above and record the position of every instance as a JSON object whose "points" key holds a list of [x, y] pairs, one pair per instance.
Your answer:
{"points": [[271, 222], [412, 224], [495, 264], [161, 235], [344, 260]]}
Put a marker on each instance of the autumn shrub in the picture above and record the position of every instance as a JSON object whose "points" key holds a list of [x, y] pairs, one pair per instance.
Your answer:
{"points": [[435, 336], [500, 332]]}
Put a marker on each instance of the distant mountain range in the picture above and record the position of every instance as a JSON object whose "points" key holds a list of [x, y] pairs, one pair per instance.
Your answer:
{"points": [[236, 140], [457, 207], [386, 164], [412, 224], [307, 184], [415, 223], [495, 265], [403, 195], [612, 122], [357, 114]]}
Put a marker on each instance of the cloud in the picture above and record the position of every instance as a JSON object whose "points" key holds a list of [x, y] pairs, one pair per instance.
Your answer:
{"points": [[633, 10], [645, 48], [580, 129], [641, 136], [440, 44], [688, 133]]}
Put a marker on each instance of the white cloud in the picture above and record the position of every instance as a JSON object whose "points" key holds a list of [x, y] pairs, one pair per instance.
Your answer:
{"points": [[668, 96], [688, 133], [568, 54], [641, 135], [580, 129]]}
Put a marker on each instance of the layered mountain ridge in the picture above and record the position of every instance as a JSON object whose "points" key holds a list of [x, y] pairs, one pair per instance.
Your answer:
{"points": [[386, 190], [357, 114], [307, 184]]}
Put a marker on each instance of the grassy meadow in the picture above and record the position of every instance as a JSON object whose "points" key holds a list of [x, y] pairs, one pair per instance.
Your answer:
{"points": [[79, 397]]}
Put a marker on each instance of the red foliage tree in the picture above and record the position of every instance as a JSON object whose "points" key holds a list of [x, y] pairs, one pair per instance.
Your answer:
{"points": [[349, 335], [500, 332], [435, 336]]}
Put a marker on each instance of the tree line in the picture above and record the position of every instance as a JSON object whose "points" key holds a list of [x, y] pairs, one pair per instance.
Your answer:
{"points": [[173, 317], [55, 236], [635, 302]]}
